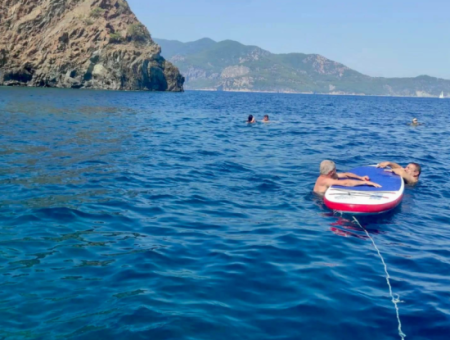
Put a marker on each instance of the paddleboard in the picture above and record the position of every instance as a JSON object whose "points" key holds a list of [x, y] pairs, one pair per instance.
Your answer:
{"points": [[365, 199]]}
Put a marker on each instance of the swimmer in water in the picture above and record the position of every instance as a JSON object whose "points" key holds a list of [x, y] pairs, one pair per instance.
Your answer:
{"points": [[329, 176], [415, 122], [410, 174], [251, 119], [265, 119]]}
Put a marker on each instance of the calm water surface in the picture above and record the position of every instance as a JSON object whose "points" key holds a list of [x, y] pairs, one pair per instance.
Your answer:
{"points": [[164, 216]]}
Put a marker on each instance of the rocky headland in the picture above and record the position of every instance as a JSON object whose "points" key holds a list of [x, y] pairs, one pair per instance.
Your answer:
{"points": [[98, 44]]}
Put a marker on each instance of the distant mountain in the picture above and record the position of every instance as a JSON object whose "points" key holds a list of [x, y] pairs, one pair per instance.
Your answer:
{"points": [[231, 66], [175, 47]]}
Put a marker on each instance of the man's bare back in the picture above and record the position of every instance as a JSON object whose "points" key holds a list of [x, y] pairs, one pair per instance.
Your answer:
{"points": [[329, 176]]}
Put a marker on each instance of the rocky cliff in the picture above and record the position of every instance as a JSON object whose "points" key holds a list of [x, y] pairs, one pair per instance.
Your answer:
{"points": [[80, 44]]}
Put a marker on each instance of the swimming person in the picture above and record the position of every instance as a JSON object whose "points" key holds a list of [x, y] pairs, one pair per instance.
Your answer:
{"points": [[415, 122], [329, 176], [265, 119], [251, 119], [410, 174]]}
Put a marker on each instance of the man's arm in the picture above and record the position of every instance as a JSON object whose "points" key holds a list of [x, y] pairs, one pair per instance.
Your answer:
{"points": [[392, 165], [403, 174], [350, 183], [350, 175]]}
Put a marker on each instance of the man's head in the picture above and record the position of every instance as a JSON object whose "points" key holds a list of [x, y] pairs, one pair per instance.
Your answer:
{"points": [[414, 120], [266, 118], [327, 167], [250, 118], [413, 169]]}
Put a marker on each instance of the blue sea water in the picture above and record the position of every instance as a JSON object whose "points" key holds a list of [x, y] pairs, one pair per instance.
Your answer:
{"points": [[134, 215]]}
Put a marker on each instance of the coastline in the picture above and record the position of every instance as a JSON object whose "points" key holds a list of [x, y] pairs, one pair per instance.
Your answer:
{"points": [[315, 93], [232, 91]]}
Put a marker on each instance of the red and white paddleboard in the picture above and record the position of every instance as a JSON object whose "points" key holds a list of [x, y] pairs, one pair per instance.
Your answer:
{"points": [[366, 199]]}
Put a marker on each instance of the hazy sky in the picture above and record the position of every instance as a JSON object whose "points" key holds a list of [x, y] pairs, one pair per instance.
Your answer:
{"points": [[395, 38]]}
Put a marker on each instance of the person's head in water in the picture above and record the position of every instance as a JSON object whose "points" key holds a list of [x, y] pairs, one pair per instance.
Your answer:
{"points": [[266, 118], [414, 121], [251, 119], [328, 168], [413, 169]]}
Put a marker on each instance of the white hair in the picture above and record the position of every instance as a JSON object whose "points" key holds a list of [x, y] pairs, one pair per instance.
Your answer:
{"points": [[326, 167]]}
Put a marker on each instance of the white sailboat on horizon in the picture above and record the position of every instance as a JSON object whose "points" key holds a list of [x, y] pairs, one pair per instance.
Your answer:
{"points": [[441, 96]]}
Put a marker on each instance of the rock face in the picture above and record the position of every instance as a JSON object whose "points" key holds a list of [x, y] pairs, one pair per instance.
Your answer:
{"points": [[80, 44]]}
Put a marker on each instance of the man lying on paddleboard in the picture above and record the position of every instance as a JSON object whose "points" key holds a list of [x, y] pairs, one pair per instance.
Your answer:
{"points": [[329, 176], [410, 174]]}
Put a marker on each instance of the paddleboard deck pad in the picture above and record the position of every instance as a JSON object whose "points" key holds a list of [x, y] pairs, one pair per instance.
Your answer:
{"points": [[365, 199]]}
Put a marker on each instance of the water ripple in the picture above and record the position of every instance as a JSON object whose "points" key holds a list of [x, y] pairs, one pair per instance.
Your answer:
{"points": [[165, 216]]}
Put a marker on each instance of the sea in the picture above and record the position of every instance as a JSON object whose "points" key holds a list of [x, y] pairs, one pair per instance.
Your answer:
{"points": [[139, 215]]}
